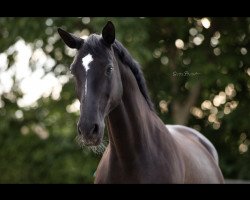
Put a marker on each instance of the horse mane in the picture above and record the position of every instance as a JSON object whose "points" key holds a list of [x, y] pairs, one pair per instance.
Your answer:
{"points": [[135, 67]]}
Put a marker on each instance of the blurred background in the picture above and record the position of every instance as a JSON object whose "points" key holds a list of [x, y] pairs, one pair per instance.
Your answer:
{"points": [[197, 71]]}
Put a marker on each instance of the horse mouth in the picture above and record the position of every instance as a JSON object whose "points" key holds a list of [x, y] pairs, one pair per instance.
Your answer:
{"points": [[97, 146], [89, 142]]}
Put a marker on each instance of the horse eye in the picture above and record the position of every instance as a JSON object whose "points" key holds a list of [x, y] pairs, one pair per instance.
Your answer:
{"points": [[109, 70]]}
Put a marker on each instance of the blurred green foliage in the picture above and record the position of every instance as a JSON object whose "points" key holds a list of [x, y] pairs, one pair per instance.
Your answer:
{"points": [[39, 146]]}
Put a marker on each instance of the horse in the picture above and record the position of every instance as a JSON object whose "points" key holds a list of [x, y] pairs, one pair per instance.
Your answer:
{"points": [[111, 88]]}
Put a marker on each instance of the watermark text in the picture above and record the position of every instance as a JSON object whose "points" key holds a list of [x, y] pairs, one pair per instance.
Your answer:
{"points": [[186, 73]]}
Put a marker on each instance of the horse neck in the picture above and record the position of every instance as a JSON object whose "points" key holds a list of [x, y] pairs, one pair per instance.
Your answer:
{"points": [[130, 123]]}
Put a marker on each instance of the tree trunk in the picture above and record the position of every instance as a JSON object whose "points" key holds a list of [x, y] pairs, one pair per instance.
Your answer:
{"points": [[181, 111]]}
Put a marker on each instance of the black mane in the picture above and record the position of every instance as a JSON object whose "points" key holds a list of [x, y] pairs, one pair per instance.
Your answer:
{"points": [[127, 59]]}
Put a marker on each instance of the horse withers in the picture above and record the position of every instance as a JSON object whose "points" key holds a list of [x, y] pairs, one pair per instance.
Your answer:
{"points": [[111, 87]]}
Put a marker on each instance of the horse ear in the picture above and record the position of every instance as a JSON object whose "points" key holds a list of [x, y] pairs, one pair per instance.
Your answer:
{"points": [[70, 40], [108, 33]]}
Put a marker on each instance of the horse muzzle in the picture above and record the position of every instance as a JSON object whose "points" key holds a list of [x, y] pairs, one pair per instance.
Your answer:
{"points": [[90, 133]]}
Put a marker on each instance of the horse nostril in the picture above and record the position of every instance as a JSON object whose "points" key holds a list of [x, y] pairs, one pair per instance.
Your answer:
{"points": [[95, 129]]}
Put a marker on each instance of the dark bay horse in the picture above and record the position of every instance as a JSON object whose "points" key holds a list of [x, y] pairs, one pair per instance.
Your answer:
{"points": [[110, 85]]}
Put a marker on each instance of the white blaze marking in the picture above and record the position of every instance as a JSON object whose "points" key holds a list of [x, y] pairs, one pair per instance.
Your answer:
{"points": [[85, 62]]}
